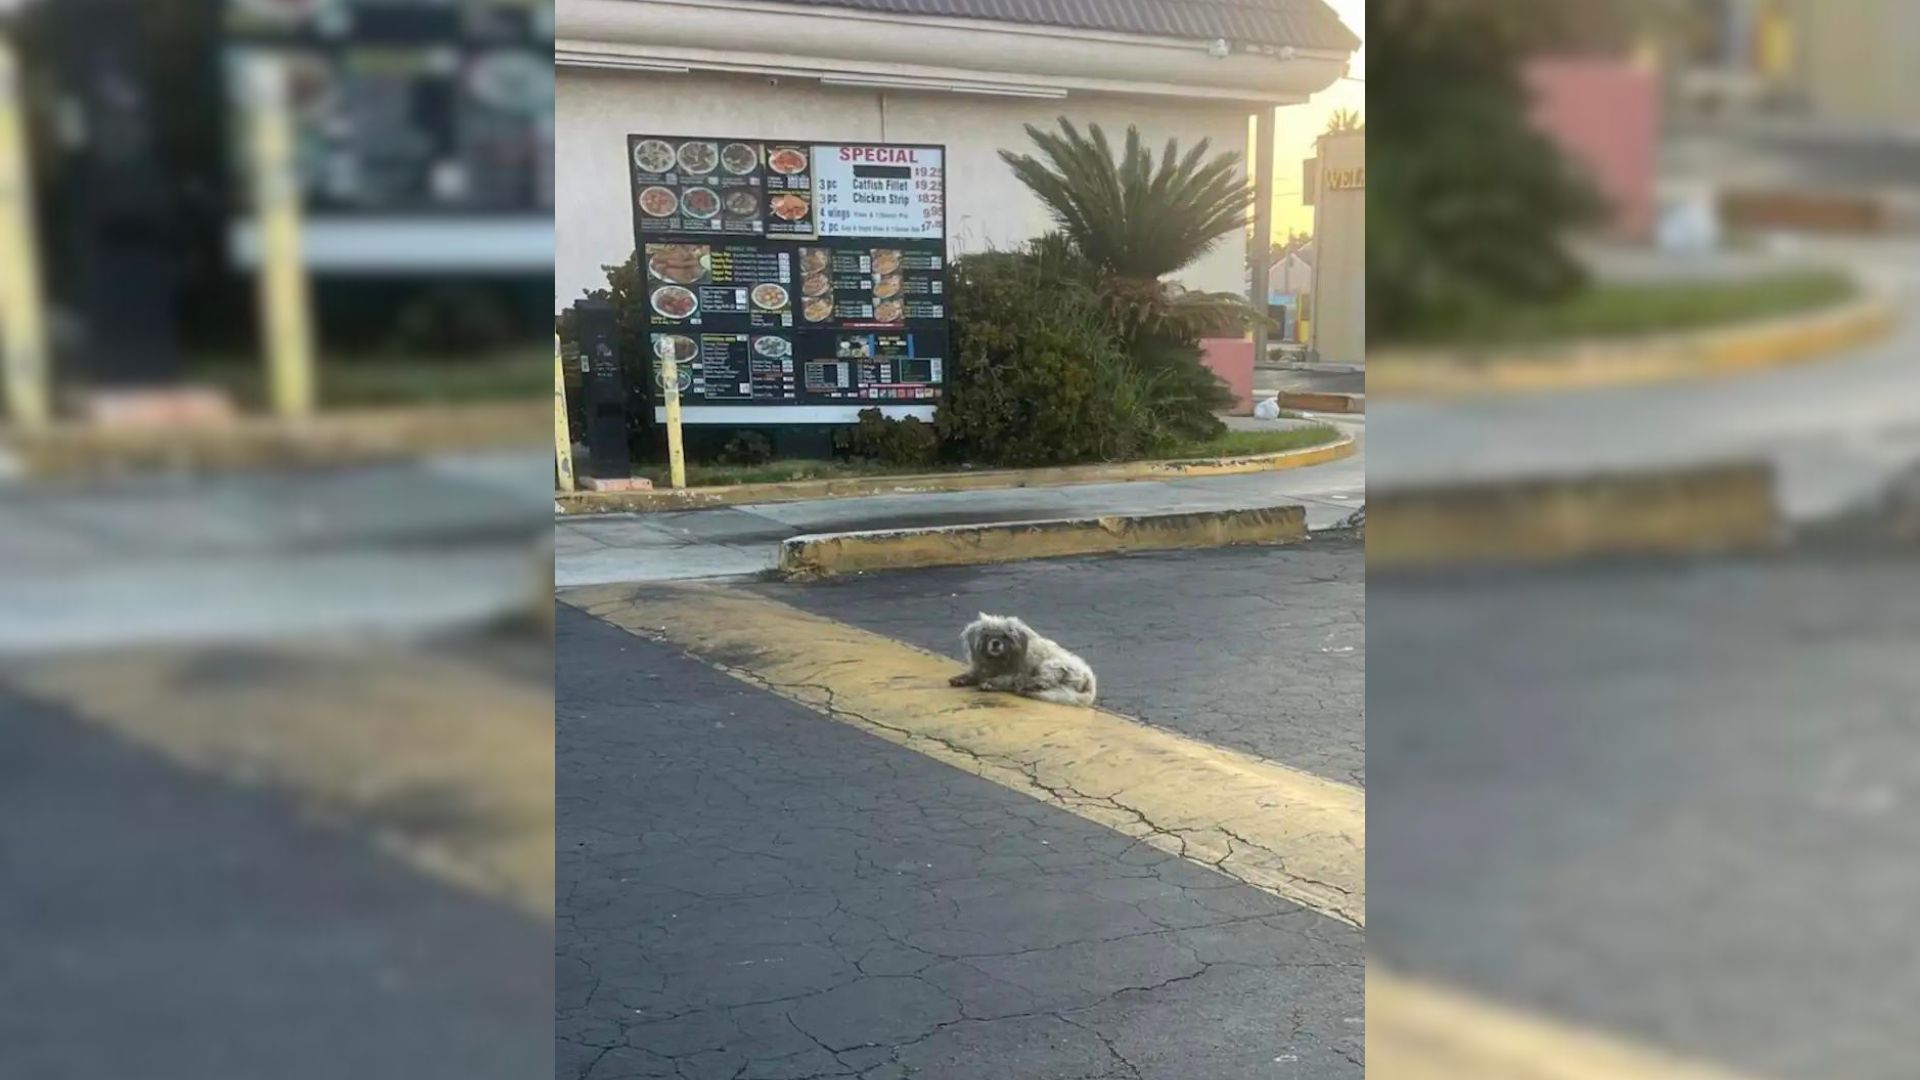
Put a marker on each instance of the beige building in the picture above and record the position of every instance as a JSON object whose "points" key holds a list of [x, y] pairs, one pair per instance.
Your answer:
{"points": [[1843, 60], [1856, 59], [964, 73], [1337, 187], [1292, 275]]}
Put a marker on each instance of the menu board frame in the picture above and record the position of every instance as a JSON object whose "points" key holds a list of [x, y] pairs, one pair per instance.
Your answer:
{"points": [[793, 362]]}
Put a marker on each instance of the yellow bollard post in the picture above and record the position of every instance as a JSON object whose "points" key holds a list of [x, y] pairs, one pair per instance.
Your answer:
{"points": [[286, 312], [562, 437], [676, 453], [23, 325]]}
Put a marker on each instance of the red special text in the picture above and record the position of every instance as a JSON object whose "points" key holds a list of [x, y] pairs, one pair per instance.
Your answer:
{"points": [[878, 155]]}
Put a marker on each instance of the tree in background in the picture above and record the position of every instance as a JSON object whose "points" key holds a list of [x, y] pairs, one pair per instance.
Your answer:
{"points": [[1467, 203], [1294, 242], [1344, 121]]}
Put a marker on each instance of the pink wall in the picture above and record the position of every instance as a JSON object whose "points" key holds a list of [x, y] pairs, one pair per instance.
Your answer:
{"points": [[1232, 360], [1605, 113]]}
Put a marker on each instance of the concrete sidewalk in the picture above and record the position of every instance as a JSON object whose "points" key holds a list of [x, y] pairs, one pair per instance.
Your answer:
{"points": [[1837, 431], [744, 540], [397, 548]]}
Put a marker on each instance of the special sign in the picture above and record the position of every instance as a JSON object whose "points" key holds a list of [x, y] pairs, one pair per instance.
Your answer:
{"points": [[890, 192]]}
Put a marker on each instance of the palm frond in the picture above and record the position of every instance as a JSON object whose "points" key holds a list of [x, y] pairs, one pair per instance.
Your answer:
{"points": [[1127, 214]]}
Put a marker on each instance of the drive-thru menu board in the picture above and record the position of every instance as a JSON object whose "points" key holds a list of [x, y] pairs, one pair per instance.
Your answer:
{"points": [[793, 282]]}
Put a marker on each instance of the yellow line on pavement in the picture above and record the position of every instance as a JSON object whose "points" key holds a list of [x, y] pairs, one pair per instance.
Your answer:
{"points": [[1419, 1031], [441, 762], [1280, 829]]}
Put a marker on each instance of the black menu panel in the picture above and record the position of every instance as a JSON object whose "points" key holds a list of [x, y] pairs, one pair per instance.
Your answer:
{"points": [[412, 106], [793, 273]]}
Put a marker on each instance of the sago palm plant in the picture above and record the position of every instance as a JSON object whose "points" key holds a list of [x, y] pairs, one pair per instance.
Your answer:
{"points": [[1130, 217], [1134, 220]]}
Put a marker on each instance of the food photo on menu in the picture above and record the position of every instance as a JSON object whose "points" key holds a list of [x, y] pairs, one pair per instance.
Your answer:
{"points": [[743, 204], [787, 160], [697, 158], [654, 157], [740, 159], [658, 202], [678, 348], [700, 203], [790, 207], [770, 297], [679, 264]]}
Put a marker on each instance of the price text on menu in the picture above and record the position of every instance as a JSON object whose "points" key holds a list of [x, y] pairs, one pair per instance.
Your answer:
{"points": [[793, 273]]}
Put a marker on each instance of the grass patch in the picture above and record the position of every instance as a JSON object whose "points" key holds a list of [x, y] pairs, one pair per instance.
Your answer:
{"points": [[372, 381], [1230, 444], [779, 472], [1615, 310], [1244, 443]]}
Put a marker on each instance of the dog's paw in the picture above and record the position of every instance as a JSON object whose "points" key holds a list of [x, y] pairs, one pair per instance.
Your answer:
{"points": [[962, 679]]}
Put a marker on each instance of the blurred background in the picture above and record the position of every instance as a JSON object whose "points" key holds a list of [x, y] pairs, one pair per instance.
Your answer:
{"points": [[1645, 553], [275, 594]]}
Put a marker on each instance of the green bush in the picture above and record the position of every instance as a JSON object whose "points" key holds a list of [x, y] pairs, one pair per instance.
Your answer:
{"points": [[1468, 201], [1187, 396], [908, 441], [745, 448], [1040, 373]]}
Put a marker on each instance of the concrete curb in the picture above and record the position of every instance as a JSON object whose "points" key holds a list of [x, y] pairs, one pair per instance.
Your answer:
{"points": [[1722, 351], [1678, 511], [659, 499], [1837, 213], [73, 451], [827, 554], [1320, 401]]}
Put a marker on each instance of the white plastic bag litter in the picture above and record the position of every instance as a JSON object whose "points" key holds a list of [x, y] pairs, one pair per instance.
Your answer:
{"points": [[1267, 410]]}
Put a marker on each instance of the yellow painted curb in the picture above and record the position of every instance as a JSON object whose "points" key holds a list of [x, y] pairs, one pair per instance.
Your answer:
{"points": [[1419, 1031], [1284, 830], [616, 502], [1690, 510], [1014, 541], [75, 450], [1665, 358]]}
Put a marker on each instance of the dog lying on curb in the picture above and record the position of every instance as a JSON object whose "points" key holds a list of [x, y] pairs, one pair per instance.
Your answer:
{"points": [[1004, 653]]}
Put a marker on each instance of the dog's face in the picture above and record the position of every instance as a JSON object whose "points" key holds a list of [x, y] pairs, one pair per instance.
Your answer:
{"points": [[996, 638]]}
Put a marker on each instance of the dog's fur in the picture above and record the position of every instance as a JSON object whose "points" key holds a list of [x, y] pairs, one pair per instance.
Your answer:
{"points": [[1004, 653]]}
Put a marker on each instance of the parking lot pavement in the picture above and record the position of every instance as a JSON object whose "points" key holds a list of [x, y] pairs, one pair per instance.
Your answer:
{"points": [[1670, 801], [748, 888], [170, 925], [1261, 649]]}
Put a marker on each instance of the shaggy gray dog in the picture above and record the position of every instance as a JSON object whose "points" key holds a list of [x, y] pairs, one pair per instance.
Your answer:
{"points": [[1007, 654]]}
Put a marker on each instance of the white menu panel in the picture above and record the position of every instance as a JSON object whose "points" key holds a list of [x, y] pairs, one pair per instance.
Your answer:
{"points": [[894, 192]]}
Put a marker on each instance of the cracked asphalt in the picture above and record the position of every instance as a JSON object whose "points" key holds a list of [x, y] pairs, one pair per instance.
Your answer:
{"points": [[1670, 800], [1261, 649], [750, 890]]}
